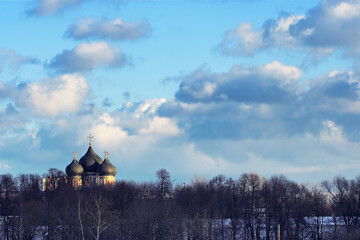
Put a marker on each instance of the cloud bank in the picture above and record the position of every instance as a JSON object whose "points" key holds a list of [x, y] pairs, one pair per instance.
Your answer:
{"points": [[298, 137], [264, 101]]}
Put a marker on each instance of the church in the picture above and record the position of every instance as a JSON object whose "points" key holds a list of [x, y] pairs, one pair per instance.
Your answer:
{"points": [[91, 170]]}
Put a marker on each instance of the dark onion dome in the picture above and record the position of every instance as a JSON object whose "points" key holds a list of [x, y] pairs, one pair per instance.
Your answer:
{"points": [[107, 169], [74, 169], [90, 161]]}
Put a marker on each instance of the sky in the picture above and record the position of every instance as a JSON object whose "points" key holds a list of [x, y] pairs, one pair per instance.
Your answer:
{"points": [[198, 87]]}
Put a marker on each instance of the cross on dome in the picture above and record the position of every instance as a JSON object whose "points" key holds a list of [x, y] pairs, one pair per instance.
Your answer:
{"points": [[107, 155], [75, 155], [90, 137]]}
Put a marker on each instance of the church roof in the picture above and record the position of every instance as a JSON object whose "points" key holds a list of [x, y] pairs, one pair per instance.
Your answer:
{"points": [[106, 168], [91, 164], [74, 169], [90, 161]]}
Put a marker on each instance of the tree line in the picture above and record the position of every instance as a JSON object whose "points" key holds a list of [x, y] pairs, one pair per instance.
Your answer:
{"points": [[250, 207]]}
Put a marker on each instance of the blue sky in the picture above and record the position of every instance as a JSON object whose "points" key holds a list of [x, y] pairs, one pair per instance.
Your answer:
{"points": [[196, 87]]}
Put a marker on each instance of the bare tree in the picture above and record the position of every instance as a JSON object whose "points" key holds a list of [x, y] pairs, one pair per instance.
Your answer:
{"points": [[220, 187], [79, 215], [98, 215], [345, 200], [318, 209], [9, 204], [30, 205], [164, 182]]}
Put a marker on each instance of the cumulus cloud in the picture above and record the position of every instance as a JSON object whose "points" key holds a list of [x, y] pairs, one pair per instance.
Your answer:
{"points": [[263, 102], [244, 40], [338, 92], [240, 103], [116, 29], [133, 121], [162, 126], [88, 56], [142, 119], [329, 26], [108, 134], [50, 97], [271, 83]]}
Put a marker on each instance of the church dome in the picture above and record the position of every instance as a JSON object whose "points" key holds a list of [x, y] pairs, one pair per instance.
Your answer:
{"points": [[107, 169], [74, 169], [90, 161]]}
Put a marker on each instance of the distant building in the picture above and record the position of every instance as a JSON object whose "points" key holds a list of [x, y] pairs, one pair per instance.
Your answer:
{"points": [[91, 170], [50, 183]]}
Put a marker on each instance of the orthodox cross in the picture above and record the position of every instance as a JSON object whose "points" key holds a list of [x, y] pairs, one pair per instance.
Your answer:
{"points": [[107, 155], [75, 155], [90, 137]]}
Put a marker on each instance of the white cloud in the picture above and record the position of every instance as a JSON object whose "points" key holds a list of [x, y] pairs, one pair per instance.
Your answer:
{"points": [[207, 90], [116, 29], [330, 26], [142, 119], [273, 82], [331, 132], [50, 97], [48, 7], [288, 75], [88, 56], [284, 23], [148, 106], [135, 126], [162, 126], [14, 59], [334, 97], [245, 41], [345, 10], [338, 91], [108, 136]]}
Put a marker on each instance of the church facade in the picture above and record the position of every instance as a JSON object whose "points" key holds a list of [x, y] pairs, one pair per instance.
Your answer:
{"points": [[91, 170]]}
